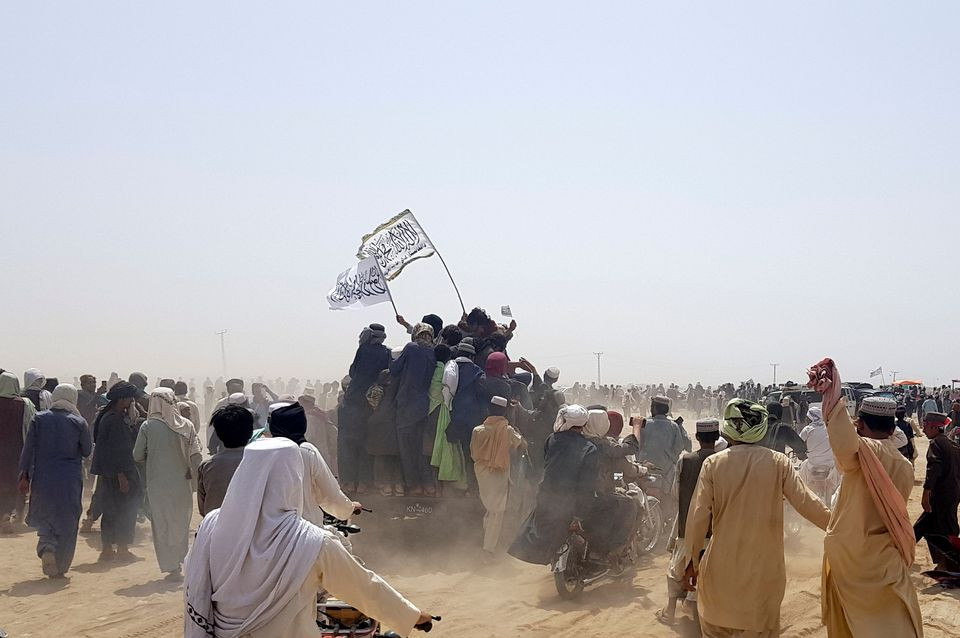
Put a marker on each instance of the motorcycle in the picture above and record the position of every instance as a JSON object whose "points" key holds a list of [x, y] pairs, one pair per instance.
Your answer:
{"points": [[574, 567], [654, 486], [338, 619], [650, 527]]}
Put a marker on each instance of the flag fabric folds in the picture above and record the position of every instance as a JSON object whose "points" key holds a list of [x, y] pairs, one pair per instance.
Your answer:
{"points": [[361, 285], [396, 243]]}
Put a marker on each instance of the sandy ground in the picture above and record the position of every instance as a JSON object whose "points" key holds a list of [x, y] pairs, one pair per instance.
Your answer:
{"points": [[506, 599]]}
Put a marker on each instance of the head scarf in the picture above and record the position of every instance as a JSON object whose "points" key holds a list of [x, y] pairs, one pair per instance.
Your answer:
{"points": [[570, 416], [374, 334], [289, 422], [598, 424], [163, 407], [64, 397], [9, 385], [252, 556], [139, 380], [815, 414], [33, 379], [744, 421], [10, 389], [496, 365], [616, 424], [420, 330]]}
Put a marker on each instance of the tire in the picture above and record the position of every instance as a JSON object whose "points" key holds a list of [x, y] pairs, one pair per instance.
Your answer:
{"points": [[569, 582], [648, 536], [567, 588]]}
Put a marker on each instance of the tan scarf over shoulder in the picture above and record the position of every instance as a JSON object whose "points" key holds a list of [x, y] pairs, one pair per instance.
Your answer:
{"points": [[492, 450]]}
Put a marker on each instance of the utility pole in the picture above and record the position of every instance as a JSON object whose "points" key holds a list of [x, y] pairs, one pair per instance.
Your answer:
{"points": [[598, 354], [894, 375], [223, 352], [774, 372]]}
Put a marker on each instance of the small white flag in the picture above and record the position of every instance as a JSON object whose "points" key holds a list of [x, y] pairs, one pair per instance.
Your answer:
{"points": [[362, 285], [396, 243], [505, 311], [877, 372]]}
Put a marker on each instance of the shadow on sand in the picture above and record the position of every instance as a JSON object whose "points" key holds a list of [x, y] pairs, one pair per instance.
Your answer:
{"points": [[40, 586], [160, 586]]}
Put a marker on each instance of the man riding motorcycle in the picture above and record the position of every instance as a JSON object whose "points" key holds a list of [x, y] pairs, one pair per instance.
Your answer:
{"points": [[568, 491]]}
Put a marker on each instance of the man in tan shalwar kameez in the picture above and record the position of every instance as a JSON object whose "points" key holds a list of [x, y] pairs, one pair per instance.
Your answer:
{"points": [[740, 493], [866, 588]]}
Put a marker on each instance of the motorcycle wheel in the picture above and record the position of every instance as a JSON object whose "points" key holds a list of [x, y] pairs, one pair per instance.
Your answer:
{"points": [[568, 588], [648, 536], [569, 582]]}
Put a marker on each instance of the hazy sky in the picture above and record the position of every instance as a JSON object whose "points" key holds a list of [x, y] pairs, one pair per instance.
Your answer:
{"points": [[695, 189]]}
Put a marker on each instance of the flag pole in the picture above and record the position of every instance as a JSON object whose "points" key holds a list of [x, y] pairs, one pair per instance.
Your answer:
{"points": [[462, 307], [387, 286]]}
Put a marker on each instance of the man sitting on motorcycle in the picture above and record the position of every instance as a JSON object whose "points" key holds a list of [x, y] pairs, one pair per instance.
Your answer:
{"points": [[818, 471], [572, 459], [571, 464], [614, 517]]}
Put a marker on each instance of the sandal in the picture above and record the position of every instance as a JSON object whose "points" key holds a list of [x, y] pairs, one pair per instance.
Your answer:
{"points": [[663, 619]]}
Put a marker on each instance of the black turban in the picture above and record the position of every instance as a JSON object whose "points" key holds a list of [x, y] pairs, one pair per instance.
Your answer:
{"points": [[289, 422], [434, 322], [122, 390]]}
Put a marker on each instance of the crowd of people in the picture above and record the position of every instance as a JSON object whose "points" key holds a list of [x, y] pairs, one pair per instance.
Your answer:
{"points": [[452, 414]]}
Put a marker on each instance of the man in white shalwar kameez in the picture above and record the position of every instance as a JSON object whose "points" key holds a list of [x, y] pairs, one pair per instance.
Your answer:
{"points": [[321, 491]]}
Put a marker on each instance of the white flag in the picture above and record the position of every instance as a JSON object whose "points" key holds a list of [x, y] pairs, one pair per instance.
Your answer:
{"points": [[362, 285], [877, 372], [396, 243]]}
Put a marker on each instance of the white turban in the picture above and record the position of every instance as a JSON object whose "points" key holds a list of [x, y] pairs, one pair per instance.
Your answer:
{"points": [[237, 398], [815, 413], [598, 424], [570, 416]]}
